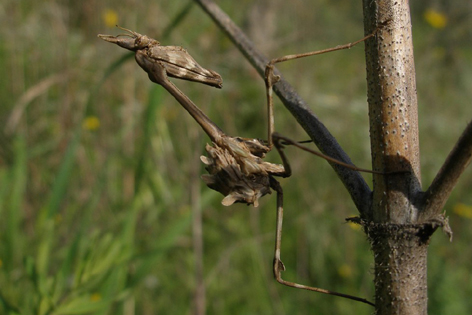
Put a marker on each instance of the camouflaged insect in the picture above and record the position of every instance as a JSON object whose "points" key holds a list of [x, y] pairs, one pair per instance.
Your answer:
{"points": [[235, 165]]}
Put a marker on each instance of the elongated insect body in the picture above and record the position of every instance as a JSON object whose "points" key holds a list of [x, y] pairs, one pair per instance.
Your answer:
{"points": [[180, 64], [176, 60]]}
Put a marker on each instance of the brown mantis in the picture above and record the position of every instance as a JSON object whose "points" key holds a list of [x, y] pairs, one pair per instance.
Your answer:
{"points": [[235, 165]]}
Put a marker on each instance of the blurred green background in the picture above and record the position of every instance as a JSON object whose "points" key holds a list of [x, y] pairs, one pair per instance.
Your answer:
{"points": [[101, 204]]}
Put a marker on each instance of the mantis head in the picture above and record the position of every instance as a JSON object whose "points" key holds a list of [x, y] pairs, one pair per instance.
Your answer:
{"points": [[130, 40]]}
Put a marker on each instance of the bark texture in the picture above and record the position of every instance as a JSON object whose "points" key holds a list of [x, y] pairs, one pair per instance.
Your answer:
{"points": [[400, 255], [399, 243], [392, 110]]}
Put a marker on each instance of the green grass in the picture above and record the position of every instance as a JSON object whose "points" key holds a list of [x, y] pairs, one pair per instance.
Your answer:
{"points": [[99, 219]]}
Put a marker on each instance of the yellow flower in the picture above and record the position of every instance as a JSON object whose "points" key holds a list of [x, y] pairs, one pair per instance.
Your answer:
{"points": [[95, 297], [463, 210], [110, 17], [435, 19], [345, 271], [354, 226], [91, 123]]}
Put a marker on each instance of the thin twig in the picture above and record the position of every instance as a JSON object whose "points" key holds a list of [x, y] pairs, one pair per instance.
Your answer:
{"points": [[441, 187], [197, 231], [30, 95]]}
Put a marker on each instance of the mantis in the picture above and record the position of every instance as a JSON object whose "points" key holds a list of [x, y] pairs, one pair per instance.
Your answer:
{"points": [[235, 165]]}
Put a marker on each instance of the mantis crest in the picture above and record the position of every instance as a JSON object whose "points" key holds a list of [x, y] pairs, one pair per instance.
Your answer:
{"points": [[235, 165]]}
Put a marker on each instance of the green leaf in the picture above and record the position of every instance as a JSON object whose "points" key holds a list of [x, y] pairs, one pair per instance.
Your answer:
{"points": [[83, 304]]}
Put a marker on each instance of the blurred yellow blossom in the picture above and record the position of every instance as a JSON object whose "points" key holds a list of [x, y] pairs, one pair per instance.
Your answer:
{"points": [[435, 18], [91, 123], [354, 226], [110, 17], [463, 210], [95, 297], [345, 271]]}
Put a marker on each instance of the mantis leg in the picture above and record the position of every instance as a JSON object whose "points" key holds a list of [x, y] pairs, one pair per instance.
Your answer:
{"points": [[271, 78], [278, 139], [278, 264]]}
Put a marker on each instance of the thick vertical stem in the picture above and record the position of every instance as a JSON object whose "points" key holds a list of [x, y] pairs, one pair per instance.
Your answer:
{"points": [[392, 110], [400, 268], [398, 242]]}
